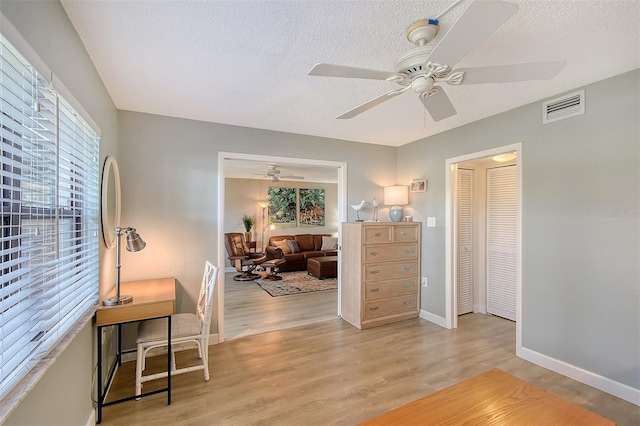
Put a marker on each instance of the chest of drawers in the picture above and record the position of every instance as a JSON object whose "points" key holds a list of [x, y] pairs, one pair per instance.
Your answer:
{"points": [[380, 272]]}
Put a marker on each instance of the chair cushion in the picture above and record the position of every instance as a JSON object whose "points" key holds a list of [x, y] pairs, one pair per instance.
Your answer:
{"points": [[185, 324], [310, 254], [305, 241], [238, 246], [294, 257]]}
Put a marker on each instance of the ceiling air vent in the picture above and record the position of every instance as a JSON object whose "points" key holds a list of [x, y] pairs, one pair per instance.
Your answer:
{"points": [[560, 108]]}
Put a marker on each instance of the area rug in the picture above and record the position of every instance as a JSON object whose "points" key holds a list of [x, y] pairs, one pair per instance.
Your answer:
{"points": [[296, 283], [494, 397]]}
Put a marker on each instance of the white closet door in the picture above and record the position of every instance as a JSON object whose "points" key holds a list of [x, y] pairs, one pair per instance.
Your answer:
{"points": [[501, 241], [465, 239]]}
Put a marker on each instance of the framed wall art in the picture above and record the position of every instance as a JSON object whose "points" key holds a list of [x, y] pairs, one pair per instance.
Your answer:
{"points": [[418, 185], [282, 207], [311, 211]]}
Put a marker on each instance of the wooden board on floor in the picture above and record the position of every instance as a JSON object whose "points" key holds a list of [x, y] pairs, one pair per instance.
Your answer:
{"points": [[491, 398]]}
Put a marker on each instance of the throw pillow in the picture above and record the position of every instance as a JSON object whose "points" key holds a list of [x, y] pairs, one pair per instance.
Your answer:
{"points": [[282, 244], [329, 243], [293, 246]]}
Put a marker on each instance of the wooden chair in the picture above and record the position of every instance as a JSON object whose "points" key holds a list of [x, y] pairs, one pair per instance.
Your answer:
{"points": [[186, 329]]}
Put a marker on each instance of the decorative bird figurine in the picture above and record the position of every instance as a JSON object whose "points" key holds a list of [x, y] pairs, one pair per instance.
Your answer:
{"points": [[357, 208], [375, 205]]}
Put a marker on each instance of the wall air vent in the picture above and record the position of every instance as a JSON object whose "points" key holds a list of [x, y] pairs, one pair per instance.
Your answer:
{"points": [[560, 108]]}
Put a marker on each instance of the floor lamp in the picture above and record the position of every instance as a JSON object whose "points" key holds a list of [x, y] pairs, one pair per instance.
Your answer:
{"points": [[134, 244], [263, 206]]}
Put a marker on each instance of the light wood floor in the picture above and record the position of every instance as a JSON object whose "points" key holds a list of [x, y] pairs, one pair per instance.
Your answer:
{"points": [[250, 310], [329, 373]]}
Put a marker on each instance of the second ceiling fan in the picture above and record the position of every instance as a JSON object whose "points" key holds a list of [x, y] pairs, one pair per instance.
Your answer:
{"points": [[273, 172], [424, 68]]}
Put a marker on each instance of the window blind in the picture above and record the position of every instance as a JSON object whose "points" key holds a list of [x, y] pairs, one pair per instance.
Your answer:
{"points": [[49, 240]]}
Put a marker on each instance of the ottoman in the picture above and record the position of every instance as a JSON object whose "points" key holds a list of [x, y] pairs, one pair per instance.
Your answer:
{"points": [[323, 267], [272, 267]]}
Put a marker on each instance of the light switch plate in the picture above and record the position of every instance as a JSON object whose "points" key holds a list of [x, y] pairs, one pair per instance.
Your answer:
{"points": [[431, 222]]}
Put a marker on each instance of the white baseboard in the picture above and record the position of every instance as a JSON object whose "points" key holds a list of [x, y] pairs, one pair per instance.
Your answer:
{"points": [[604, 384], [436, 319], [479, 309], [92, 418]]}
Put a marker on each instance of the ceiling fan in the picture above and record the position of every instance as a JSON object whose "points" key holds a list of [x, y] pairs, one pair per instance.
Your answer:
{"points": [[273, 172], [424, 68]]}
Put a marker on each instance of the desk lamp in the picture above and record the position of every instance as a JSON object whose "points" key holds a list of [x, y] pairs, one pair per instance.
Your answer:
{"points": [[134, 244]]}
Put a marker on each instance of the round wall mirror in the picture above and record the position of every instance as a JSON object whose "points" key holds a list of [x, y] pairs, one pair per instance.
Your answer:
{"points": [[110, 209]]}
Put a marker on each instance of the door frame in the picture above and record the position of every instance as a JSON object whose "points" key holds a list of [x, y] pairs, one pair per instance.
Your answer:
{"points": [[341, 169], [451, 251]]}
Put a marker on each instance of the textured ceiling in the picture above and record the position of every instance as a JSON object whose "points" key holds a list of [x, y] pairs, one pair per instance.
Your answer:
{"points": [[245, 63]]}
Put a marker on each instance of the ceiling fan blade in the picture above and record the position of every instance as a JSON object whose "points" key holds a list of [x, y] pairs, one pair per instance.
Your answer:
{"points": [[511, 73], [475, 24], [438, 105], [292, 177], [373, 102], [329, 70]]}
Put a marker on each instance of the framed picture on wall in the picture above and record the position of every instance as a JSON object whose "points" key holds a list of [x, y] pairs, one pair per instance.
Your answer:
{"points": [[418, 185], [311, 211], [282, 207]]}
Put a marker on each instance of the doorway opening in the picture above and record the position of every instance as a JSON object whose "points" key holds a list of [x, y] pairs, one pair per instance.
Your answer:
{"points": [[228, 164], [483, 236]]}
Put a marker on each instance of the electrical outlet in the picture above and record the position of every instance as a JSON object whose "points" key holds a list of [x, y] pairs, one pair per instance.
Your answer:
{"points": [[424, 281]]}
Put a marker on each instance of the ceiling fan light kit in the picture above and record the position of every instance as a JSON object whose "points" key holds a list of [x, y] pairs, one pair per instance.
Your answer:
{"points": [[424, 67]]}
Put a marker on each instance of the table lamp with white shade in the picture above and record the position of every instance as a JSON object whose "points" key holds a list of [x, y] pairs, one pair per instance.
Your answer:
{"points": [[396, 196]]}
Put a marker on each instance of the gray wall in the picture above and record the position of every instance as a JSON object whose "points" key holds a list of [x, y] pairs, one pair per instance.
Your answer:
{"points": [[45, 26], [580, 217], [581, 190], [169, 171]]}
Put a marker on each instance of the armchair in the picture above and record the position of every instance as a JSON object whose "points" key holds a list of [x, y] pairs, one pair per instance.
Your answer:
{"points": [[241, 257]]}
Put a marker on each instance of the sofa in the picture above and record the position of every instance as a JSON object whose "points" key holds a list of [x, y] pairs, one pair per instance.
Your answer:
{"points": [[297, 249]]}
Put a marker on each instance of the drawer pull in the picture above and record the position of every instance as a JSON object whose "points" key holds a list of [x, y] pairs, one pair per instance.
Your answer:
{"points": [[374, 290], [374, 308], [374, 253], [377, 235], [408, 250], [406, 302], [375, 272], [408, 285], [405, 233], [408, 268]]}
